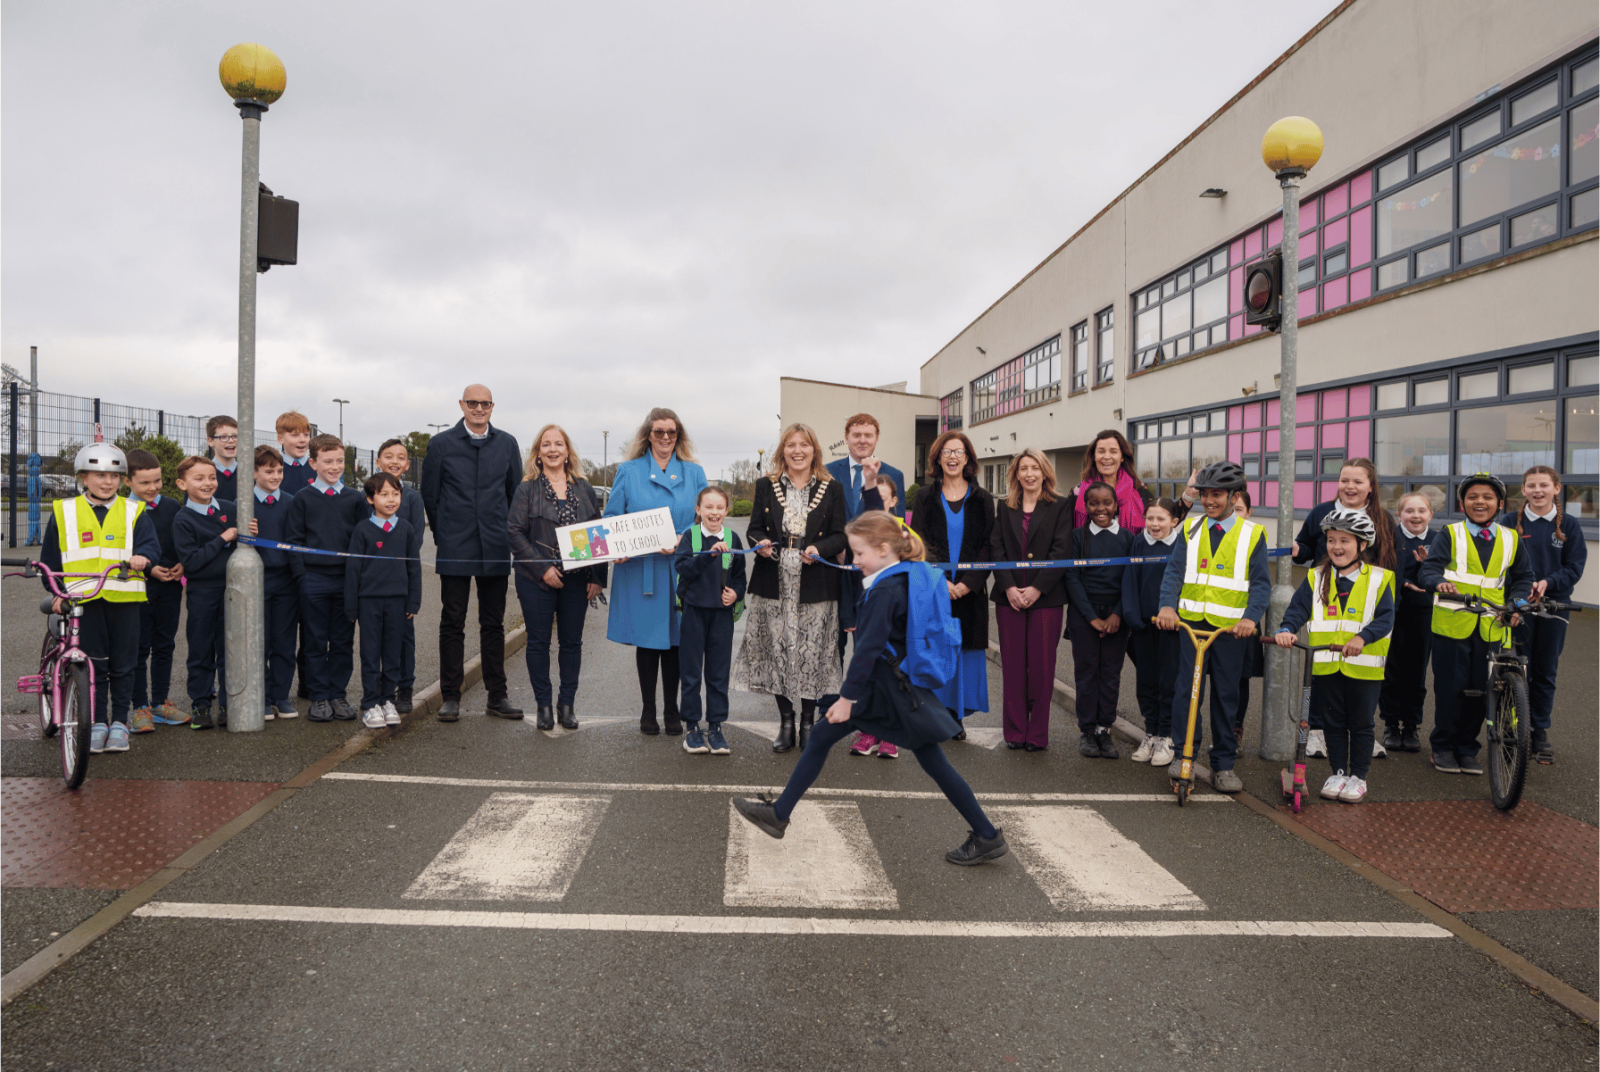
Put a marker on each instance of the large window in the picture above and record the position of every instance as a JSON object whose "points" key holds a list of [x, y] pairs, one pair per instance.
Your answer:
{"points": [[1105, 346], [1183, 313], [1024, 381], [950, 411], [1080, 357]]}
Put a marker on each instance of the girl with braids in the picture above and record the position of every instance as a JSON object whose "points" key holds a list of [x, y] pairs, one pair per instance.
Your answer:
{"points": [[1349, 604], [1556, 550], [887, 553]]}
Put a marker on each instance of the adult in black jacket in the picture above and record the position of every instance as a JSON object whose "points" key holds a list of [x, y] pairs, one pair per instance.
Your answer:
{"points": [[791, 646], [468, 478], [1030, 523], [551, 496], [1109, 459], [954, 506]]}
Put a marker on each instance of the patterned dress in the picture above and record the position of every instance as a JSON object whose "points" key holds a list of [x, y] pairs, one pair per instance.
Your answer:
{"points": [[790, 648]]}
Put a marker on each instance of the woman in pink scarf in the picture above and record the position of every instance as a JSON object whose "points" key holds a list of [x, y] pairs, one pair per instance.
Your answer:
{"points": [[1110, 458]]}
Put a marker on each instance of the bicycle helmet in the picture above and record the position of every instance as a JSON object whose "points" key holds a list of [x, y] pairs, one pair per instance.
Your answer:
{"points": [[100, 458], [1226, 476], [1480, 478], [1355, 522]]}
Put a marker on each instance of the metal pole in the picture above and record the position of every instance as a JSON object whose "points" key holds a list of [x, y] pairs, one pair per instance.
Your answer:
{"points": [[11, 472], [33, 400], [1281, 707], [245, 626]]}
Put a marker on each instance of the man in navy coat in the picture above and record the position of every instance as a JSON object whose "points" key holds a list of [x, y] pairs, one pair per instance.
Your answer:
{"points": [[859, 473]]}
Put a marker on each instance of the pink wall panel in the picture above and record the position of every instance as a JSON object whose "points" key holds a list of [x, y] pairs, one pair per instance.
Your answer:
{"points": [[1252, 244], [1250, 329], [1335, 293], [1236, 290], [1269, 493], [1307, 303], [1334, 233], [1308, 215], [1360, 401], [1235, 451], [1333, 403], [1335, 201], [1305, 436], [1271, 419], [1252, 442], [1328, 491], [1272, 441], [1361, 188], [1308, 243], [1360, 442], [1250, 413], [1361, 237], [1305, 408], [1236, 328], [1361, 285], [1274, 232], [1235, 417], [1236, 252], [1333, 435], [1304, 495]]}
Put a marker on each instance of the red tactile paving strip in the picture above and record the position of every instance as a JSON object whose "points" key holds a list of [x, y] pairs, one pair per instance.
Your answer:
{"points": [[111, 834], [1465, 856]]}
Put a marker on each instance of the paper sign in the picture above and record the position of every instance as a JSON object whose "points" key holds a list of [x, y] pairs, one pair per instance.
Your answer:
{"points": [[624, 536]]}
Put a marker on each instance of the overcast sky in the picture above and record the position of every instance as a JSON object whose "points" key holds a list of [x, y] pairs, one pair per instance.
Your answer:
{"points": [[593, 208]]}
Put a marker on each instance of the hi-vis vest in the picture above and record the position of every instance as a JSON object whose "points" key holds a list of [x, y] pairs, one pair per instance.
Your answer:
{"points": [[1216, 586], [1330, 625], [88, 546], [1467, 572]]}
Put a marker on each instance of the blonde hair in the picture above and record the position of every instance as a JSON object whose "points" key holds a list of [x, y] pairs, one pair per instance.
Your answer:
{"points": [[532, 467], [640, 445], [881, 528], [1408, 496], [818, 470], [1047, 490]]}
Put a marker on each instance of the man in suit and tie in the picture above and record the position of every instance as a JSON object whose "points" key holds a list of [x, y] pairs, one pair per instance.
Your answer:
{"points": [[859, 474]]}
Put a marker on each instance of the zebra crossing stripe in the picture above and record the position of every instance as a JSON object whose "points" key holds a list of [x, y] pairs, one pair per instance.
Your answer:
{"points": [[825, 860], [1083, 863], [762, 925], [517, 847]]}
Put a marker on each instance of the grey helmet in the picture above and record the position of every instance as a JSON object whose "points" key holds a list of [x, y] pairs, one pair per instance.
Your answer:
{"points": [[1227, 476], [100, 458], [1355, 522]]}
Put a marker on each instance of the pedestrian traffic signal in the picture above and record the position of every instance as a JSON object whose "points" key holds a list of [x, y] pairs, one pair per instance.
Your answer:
{"points": [[277, 230], [1263, 292]]}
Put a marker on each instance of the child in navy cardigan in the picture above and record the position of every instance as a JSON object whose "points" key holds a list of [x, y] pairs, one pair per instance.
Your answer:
{"points": [[271, 522], [1094, 621], [163, 605], [394, 458], [1553, 542], [382, 591], [323, 516], [1154, 652], [203, 535], [709, 586]]}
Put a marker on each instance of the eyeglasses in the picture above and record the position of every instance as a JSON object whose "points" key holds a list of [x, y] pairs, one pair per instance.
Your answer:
{"points": [[472, 403], [226, 438], [956, 453], [657, 433]]}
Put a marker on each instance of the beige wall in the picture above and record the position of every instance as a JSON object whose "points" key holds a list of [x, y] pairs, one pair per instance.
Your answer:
{"points": [[825, 406]]}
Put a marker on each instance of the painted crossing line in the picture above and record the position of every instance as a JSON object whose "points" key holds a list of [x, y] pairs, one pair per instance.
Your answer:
{"points": [[763, 925], [1083, 863], [517, 847], [749, 790], [826, 860]]}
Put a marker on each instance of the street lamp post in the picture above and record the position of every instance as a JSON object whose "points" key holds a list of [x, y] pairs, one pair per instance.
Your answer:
{"points": [[343, 402], [605, 454], [1291, 147], [254, 77]]}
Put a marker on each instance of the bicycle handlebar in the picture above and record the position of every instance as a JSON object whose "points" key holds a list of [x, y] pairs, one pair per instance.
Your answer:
{"points": [[1538, 609], [121, 569]]}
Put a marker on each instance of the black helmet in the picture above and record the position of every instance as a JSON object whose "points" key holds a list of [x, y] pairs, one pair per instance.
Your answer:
{"points": [[1226, 476], [1480, 478], [1355, 522]]}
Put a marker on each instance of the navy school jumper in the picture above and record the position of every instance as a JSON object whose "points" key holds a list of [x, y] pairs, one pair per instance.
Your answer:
{"points": [[282, 595], [158, 614], [324, 520], [197, 538], [379, 591], [705, 645], [1560, 562], [1154, 651], [1405, 677]]}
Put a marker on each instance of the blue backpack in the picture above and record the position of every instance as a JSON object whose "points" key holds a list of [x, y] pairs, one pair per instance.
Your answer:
{"points": [[932, 633]]}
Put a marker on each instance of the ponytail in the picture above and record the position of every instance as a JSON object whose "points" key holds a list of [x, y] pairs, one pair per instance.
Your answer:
{"points": [[879, 528], [1325, 572]]}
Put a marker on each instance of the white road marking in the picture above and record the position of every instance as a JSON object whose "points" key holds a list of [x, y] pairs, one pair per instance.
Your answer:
{"points": [[859, 928], [989, 738], [767, 731], [748, 790], [517, 847], [1083, 863], [825, 860], [583, 723]]}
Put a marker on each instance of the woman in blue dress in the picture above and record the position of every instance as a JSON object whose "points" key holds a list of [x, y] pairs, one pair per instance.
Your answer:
{"points": [[954, 518], [658, 469]]}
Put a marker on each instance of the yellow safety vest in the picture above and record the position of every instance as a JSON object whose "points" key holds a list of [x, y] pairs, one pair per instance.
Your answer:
{"points": [[1467, 572], [1216, 586], [92, 546], [1331, 626]]}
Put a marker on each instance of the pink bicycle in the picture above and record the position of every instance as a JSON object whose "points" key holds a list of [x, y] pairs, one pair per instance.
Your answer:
{"points": [[65, 681]]}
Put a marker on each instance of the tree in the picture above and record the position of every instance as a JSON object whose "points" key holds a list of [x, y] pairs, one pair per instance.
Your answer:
{"points": [[742, 477], [417, 443], [62, 462], [601, 476], [168, 451], [350, 465]]}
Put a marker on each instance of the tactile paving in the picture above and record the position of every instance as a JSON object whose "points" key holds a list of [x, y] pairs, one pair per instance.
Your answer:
{"points": [[110, 834], [1466, 856]]}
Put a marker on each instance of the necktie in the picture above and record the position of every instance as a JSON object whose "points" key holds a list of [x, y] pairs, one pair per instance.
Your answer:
{"points": [[271, 500], [211, 511], [1486, 536], [1216, 529], [330, 491], [386, 526]]}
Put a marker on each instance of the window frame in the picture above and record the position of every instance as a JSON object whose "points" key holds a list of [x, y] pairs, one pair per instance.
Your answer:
{"points": [[1079, 334], [1182, 283], [1003, 390], [1105, 345]]}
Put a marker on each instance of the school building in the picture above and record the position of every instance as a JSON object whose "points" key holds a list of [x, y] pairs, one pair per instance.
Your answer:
{"points": [[1448, 276]]}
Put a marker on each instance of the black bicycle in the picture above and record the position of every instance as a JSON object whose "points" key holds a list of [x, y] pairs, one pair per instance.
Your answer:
{"points": [[1507, 715]]}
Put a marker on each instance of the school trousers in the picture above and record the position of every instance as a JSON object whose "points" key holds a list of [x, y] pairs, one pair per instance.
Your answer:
{"points": [[208, 666], [1459, 665], [383, 620], [1028, 642], [109, 635], [456, 592], [564, 609], [331, 659], [1348, 706], [1541, 640], [705, 652], [1097, 670], [1224, 669], [1405, 675], [158, 639], [1154, 653]]}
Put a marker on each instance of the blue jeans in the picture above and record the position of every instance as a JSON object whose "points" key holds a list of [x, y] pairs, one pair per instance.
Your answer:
{"points": [[565, 608]]}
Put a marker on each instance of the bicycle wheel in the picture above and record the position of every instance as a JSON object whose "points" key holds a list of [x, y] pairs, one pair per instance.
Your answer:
{"points": [[47, 669], [1509, 733], [76, 714]]}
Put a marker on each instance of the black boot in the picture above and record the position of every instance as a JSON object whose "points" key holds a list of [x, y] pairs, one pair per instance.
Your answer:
{"points": [[403, 701], [647, 721], [546, 716], [674, 725], [808, 715], [567, 716], [785, 741]]}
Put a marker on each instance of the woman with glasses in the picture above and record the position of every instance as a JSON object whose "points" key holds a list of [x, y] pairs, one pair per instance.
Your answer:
{"points": [[955, 517], [658, 469], [791, 640]]}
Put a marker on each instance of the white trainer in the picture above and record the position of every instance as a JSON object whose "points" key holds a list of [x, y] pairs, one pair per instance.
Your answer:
{"points": [[1162, 752], [1354, 791], [1316, 744], [391, 717], [1335, 785], [1378, 751], [372, 718], [1142, 753]]}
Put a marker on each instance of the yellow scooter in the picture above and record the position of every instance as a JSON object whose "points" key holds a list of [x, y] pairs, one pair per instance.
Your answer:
{"points": [[1202, 639]]}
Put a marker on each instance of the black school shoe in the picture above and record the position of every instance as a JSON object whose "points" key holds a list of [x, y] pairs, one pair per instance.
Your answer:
{"points": [[976, 850], [403, 701], [500, 707], [1469, 764], [1409, 741], [1393, 741], [1540, 746], [1108, 745], [1089, 745], [200, 716], [762, 815]]}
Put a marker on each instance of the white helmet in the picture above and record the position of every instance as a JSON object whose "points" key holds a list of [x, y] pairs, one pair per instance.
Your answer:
{"points": [[1355, 522], [100, 458]]}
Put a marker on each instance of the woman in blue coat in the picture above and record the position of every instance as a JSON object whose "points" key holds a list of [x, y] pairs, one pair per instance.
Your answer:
{"points": [[658, 469]]}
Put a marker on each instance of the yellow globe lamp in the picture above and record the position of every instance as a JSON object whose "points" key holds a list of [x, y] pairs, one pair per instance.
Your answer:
{"points": [[252, 72], [1292, 144]]}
